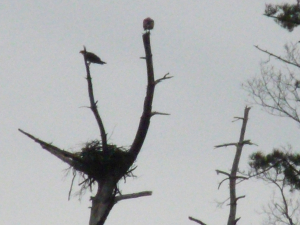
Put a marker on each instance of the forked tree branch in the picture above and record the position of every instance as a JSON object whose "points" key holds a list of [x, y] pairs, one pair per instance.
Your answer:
{"points": [[105, 197], [102, 202], [147, 110], [93, 105], [165, 77]]}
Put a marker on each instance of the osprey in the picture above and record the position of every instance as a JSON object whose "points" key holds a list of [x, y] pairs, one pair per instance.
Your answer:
{"points": [[148, 24], [91, 57]]}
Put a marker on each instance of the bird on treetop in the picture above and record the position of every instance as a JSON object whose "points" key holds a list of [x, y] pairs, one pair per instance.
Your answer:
{"points": [[91, 57], [148, 24]]}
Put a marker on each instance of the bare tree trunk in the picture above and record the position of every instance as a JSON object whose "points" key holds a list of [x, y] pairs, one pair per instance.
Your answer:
{"points": [[232, 178], [103, 202]]}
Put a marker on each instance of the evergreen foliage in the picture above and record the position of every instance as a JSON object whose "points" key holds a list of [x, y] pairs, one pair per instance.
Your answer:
{"points": [[286, 164], [286, 15]]}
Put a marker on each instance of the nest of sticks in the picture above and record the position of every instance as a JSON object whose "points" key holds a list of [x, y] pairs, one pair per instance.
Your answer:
{"points": [[97, 165]]}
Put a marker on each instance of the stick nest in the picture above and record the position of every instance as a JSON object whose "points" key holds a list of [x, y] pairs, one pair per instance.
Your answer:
{"points": [[97, 165]]}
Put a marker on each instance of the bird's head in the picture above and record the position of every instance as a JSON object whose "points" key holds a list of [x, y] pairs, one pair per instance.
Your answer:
{"points": [[148, 24], [82, 52]]}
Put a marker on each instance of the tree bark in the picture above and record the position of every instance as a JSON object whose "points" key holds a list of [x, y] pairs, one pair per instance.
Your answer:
{"points": [[103, 202]]}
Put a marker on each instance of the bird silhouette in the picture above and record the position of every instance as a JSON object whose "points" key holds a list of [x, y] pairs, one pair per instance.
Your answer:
{"points": [[92, 58], [148, 24]]}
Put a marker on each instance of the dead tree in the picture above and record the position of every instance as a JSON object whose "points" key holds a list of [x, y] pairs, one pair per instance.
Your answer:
{"points": [[232, 176], [102, 163]]}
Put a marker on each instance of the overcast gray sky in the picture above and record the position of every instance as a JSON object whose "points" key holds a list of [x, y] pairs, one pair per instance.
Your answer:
{"points": [[206, 45]]}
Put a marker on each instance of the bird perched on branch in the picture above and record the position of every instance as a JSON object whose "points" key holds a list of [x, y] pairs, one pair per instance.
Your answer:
{"points": [[91, 57], [148, 24]]}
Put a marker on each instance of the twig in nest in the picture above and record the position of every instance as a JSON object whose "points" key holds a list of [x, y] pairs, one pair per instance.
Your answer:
{"points": [[70, 191]]}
